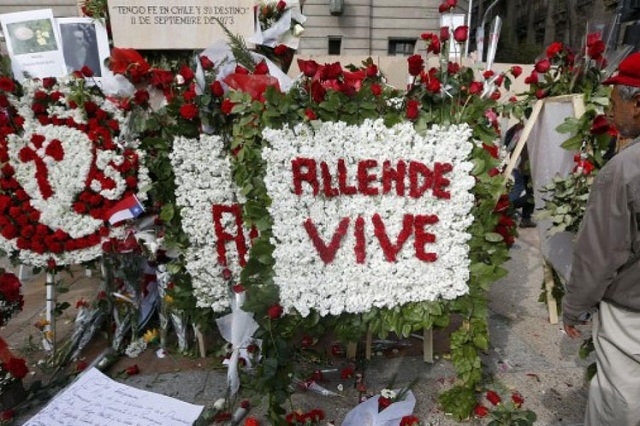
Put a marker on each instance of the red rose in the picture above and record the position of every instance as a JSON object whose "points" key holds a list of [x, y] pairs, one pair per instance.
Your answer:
{"points": [[600, 125], [475, 88], [241, 70], [499, 80], [433, 42], [493, 397], [189, 111], [275, 311], [434, 85], [86, 71], [487, 74], [206, 63], [261, 69], [416, 64], [7, 415], [132, 370], [308, 68], [532, 78], [310, 114], [17, 367], [443, 8], [7, 84], [251, 421], [444, 33], [453, 68], [542, 66], [217, 89], [346, 373], [383, 403], [372, 70], [596, 49], [413, 109], [187, 73], [227, 106], [554, 48], [141, 97], [10, 286], [541, 93], [280, 50], [452, 3], [461, 33], [376, 89], [481, 411], [238, 288], [409, 421], [317, 92], [517, 399], [281, 6]]}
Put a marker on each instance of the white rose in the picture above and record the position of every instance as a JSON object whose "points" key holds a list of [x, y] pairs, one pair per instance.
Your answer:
{"points": [[219, 404]]}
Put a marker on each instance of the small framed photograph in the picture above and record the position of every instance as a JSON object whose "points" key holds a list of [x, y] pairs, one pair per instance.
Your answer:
{"points": [[84, 43], [33, 44]]}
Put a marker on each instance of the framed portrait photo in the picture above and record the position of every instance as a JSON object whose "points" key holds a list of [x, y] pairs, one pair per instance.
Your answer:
{"points": [[33, 44], [84, 43]]}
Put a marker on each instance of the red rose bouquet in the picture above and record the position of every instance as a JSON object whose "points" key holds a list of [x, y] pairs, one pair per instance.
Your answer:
{"points": [[11, 301]]}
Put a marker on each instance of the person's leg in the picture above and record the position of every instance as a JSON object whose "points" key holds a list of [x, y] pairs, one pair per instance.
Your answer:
{"points": [[614, 390]]}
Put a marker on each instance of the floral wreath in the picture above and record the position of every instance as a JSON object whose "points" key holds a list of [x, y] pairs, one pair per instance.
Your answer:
{"points": [[65, 166], [417, 241]]}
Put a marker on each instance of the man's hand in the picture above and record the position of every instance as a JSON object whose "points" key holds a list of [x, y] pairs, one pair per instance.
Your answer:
{"points": [[572, 331]]}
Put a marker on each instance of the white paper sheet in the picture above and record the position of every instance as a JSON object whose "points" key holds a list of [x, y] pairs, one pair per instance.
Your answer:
{"points": [[96, 400]]}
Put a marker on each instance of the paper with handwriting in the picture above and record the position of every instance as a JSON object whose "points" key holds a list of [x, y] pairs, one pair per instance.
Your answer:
{"points": [[96, 400]]}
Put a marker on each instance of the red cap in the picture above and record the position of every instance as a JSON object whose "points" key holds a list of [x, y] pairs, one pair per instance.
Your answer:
{"points": [[628, 72]]}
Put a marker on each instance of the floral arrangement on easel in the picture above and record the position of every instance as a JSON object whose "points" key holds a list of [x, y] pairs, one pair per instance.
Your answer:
{"points": [[422, 210]]}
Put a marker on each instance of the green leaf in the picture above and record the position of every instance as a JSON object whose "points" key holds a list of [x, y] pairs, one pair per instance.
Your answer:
{"points": [[493, 237]]}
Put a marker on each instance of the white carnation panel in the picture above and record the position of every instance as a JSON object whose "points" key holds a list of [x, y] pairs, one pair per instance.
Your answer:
{"points": [[203, 179], [344, 285]]}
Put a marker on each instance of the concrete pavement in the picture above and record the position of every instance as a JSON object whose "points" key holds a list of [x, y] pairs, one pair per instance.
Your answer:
{"points": [[527, 354]]}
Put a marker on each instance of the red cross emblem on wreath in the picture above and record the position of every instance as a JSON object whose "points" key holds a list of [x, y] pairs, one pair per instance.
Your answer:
{"points": [[64, 165]]}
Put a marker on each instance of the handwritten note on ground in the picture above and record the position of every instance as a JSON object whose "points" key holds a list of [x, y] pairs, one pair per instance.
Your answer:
{"points": [[96, 400]]}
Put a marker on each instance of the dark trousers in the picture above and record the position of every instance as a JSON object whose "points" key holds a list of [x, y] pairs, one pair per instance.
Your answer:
{"points": [[521, 195]]}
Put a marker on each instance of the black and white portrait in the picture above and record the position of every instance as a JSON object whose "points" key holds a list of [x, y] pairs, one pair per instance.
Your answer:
{"points": [[80, 47]]}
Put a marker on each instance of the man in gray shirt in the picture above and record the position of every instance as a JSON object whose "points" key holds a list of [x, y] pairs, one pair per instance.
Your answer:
{"points": [[605, 274]]}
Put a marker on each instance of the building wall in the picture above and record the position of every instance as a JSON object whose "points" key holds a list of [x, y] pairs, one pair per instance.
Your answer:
{"points": [[366, 26], [61, 8]]}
